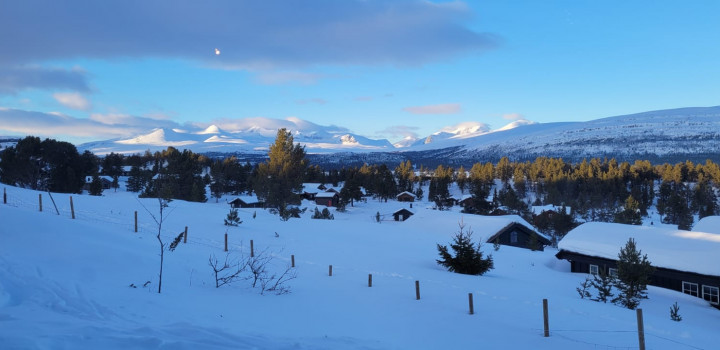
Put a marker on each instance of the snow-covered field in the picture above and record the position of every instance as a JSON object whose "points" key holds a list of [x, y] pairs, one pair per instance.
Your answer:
{"points": [[65, 284]]}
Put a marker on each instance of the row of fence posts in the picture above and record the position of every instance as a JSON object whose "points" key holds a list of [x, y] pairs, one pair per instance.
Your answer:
{"points": [[546, 318], [40, 204], [546, 323]]}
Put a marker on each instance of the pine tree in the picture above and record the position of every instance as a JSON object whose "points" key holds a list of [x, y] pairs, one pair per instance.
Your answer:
{"points": [[634, 272], [468, 257], [583, 289], [280, 178], [232, 218], [603, 283], [630, 214], [675, 313], [96, 187], [136, 180]]}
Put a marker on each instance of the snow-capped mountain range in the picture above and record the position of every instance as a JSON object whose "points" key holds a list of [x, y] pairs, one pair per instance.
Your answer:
{"points": [[684, 131]]}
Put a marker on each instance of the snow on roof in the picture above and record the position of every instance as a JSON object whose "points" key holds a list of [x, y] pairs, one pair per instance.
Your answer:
{"points": [[311, 187], [248, 199], [668, 248], [326, 195], [89, 179], [710, 224], [403, 209], [485, 227], [406, 192], [538, 209]]}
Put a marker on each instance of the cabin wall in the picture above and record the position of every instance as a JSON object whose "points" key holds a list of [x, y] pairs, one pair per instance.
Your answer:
{"points": [[664, 278]]}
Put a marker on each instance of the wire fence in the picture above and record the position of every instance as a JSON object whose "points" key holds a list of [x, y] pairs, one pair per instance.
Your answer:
{"points": [[126, 219]]}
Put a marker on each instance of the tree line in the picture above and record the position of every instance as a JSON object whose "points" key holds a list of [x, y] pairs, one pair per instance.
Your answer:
{"points": [[592, 190]]}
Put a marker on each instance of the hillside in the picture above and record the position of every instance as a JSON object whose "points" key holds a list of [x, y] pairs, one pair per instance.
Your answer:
{"points": [[659, 136], [66, 283]]}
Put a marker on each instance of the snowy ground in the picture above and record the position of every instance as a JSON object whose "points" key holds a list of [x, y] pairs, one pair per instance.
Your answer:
{"points": [[64, 284]]}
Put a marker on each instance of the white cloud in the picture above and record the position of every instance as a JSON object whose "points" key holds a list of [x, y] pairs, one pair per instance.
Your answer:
{"points": [[59, 126], [270, 32], [447, 108], [72, 100], [14, 78]]}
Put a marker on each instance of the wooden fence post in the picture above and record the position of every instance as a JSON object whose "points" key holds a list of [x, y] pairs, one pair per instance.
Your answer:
{"points": [[330, 271], [546, 322], [417, 290], [4, 195], [370, 280], [292, 260], [226, 241], [185, 238], [470, 301], [136, 221], [641, 329], [72, 208], [252, 249], [40, 200]]}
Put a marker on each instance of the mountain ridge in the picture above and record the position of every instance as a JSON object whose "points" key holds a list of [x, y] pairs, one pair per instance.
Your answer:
{"points": [[688, 132]]}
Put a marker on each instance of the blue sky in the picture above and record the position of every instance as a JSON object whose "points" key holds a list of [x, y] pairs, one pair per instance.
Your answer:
{"points": [[81, 71]]}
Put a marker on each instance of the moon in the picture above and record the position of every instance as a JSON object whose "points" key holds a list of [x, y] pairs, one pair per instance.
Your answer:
{"points": [[217, 51]]}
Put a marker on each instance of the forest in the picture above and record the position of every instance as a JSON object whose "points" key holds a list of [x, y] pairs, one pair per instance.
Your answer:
{"points": [[591, 190]]}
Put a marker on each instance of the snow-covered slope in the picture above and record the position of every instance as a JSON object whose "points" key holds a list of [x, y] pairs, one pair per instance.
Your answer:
{"points": [[250, 135], [682, 131], [685, 133], [91, 283]]}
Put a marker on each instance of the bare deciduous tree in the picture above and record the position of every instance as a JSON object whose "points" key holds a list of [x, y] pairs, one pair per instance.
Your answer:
{"points": [[257, 269]]}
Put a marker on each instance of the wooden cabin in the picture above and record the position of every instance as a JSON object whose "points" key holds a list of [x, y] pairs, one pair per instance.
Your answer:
{"points": [[246, 202], [406, 196], [328, 199], [516, 234], [402, 214], [685, 261]]}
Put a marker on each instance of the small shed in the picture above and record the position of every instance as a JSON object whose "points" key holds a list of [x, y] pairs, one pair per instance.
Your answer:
{"points": [[246, 202], [329, 199], [406, 196], [402, 214]]}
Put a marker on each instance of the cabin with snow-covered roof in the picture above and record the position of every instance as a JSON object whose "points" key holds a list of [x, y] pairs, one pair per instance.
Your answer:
{"points": [[246, 202], [507, 230], [105, 180], [310, 189], [709, 224], [329, 199], [405, 196], [685, 261], [402, 214]]}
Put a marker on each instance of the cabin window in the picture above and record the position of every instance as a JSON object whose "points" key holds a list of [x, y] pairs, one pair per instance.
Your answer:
{"points": [[594, 270], [612, 272], [513, 237], [690, 288], [711, 294]]}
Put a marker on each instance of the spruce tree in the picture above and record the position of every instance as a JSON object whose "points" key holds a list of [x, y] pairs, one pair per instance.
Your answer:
{"points": [[232, 218], [468, 258], [96, 187], [634, 272]]}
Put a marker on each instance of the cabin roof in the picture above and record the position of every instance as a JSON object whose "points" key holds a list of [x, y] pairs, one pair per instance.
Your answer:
{"points": [[689, 251]]}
